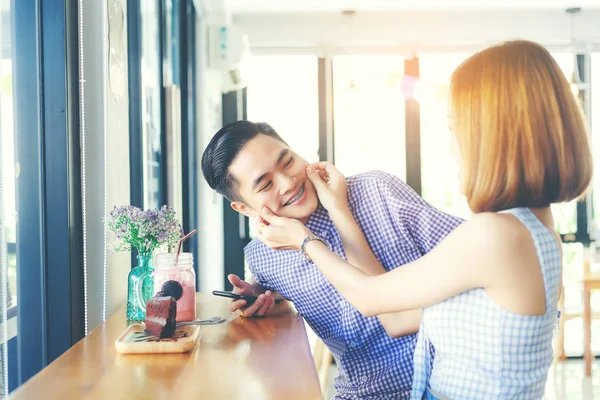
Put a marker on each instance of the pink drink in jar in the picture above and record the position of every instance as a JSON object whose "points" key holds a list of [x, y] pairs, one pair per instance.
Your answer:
{"points": [[175, 276]]}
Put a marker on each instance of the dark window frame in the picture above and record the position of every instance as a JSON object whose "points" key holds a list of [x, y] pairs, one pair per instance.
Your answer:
{"points": [[48, 247]]}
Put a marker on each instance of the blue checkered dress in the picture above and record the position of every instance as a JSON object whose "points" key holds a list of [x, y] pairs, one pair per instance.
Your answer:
{"points": [[483, 351], [400, 227]]}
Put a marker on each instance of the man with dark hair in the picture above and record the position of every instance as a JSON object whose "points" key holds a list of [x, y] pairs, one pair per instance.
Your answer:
{"points": [[224, 147], [253, 167]]}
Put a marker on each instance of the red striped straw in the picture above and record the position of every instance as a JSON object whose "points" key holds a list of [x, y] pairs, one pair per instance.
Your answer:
{"points": [[181, 241]]}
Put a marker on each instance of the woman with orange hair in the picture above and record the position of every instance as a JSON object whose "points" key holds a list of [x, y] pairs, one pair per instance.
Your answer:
{"points": [[489, 291]]}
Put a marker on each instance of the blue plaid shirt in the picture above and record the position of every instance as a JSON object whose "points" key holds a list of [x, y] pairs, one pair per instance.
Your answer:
{"points": [[400, 227]]}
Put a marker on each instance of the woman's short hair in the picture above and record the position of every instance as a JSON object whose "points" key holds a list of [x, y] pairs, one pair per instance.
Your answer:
{"points": [[520, 129]]}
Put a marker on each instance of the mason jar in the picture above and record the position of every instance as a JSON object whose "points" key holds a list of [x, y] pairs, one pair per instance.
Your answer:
{"points": [[174, 276]]}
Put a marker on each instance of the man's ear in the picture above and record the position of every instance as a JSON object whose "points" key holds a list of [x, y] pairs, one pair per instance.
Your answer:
{"points": [[243, 209]]}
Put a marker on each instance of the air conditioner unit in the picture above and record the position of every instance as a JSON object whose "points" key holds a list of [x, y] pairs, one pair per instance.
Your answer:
{"points": [[228, 51]]}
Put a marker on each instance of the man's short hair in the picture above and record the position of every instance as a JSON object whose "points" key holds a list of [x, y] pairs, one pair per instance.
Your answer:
{"points": [[224, 148]]}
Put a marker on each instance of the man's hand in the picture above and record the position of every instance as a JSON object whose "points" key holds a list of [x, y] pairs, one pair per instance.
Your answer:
{"points": [[330, 185], [263, 304]]}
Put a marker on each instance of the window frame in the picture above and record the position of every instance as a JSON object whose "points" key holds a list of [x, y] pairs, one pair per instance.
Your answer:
{"points": [[49, 229]]}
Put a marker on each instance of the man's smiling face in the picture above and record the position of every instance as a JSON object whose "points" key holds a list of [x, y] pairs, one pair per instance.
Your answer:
{"points": [[268, 173]]}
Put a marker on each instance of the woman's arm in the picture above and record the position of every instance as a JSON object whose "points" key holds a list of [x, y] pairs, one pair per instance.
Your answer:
{"points": [[462, 261], [359, 253]]}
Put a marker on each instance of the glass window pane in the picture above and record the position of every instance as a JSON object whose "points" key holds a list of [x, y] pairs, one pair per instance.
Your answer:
{"points": [[565, 214], [150, 103], [565, 217], [565, 61], [595, 122], [8, 173], [283, 92], [368, 114], [573, 255], [8, 209], [440, 182]]}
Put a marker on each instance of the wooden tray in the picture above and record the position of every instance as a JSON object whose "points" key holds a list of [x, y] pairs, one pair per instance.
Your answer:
{"points": [[134, 340]]}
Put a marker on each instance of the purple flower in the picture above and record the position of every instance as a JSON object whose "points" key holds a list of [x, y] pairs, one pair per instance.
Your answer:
{"points": [[144, 230]]}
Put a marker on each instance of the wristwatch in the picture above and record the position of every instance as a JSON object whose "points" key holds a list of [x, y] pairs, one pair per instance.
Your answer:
{"points": [[305, 242]]}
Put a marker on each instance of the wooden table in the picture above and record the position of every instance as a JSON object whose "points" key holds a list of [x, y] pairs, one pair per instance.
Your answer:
{"points": [[245, 358]]}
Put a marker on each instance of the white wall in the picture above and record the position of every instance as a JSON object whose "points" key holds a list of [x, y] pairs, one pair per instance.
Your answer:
{"points": [[414, 31], [117, 151], [210, 210]]}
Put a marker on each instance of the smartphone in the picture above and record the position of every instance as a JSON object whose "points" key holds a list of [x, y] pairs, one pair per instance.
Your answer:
{"points": [[236, 296]]}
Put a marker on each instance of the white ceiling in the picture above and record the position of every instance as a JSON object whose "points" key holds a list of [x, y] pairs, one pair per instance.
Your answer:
{"points": [[322, 6]]}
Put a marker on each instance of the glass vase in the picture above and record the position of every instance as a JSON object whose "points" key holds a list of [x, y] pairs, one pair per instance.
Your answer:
{"points": [[140, 288]]}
